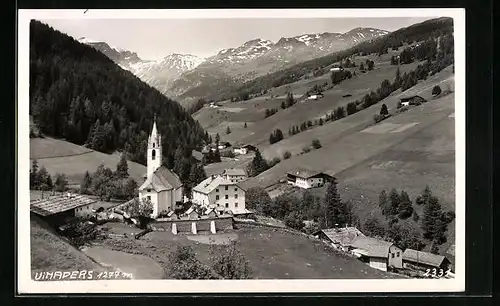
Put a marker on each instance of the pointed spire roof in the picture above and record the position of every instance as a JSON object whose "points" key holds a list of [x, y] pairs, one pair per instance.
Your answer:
{"points": [[154, 131]]}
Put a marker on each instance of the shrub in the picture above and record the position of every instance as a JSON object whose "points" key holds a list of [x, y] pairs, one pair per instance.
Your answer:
{"points": [[436, 90], [274, 161], [287, 155], [316, 143], [306, 149]]}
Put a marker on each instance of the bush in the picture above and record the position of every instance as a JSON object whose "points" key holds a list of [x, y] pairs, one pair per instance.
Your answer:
{"points": [[294, 220], [274, 162], [316, 144], [436, 90], [287, 155], [306, 149]]}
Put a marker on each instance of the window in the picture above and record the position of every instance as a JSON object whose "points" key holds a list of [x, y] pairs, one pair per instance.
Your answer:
{"points": [[153, 144], [236, 196], [398, 254], [227, 196], [217, 190], [153, 155], [216, 197], [227, 187], [236, 204], [392, 255], [149, 190], [235, 189], [227, 205], [149, 198]]}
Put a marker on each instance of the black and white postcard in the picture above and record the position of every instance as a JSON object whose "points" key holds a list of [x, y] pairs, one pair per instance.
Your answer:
{"points": [[240, 151]]}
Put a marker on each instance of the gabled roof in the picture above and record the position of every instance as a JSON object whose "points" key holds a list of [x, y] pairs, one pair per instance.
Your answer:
{"points": [[410, 97], [170, 213], [190, 210], [304, 173], [344, 236], [212, 182], [423, 257], [372, 247], [59, 203], [234, 171], [162, 179]]}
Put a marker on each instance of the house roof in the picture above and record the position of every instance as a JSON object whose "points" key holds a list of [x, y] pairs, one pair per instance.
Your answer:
{"points": [[234, 171], [190, 210], [212, 182], [373, 247], [162, 179], [345, 236], [170, 213], [410, 97], [423, 257], [304, 173], [59, 203]]}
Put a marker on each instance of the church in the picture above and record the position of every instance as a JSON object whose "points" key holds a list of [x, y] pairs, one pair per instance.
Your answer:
{"points": [[162, 186]]}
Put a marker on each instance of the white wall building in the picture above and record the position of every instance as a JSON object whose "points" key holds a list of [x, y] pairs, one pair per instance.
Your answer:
{"points": [[220, 193], [162, 186], [240, 151], [235, 175], [307, 179], [377, 253]]}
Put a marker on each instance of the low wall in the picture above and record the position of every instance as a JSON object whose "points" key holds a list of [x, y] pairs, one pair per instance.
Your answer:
{"points": [[184, 226]]}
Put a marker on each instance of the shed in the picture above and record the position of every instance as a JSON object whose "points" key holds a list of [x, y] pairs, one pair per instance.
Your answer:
{"points": [[379, 254], [413, 100], [413, 259], [61, 208], [191, 213]]}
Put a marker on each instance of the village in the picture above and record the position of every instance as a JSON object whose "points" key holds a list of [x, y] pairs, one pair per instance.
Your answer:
{"points": [[218, 205]]}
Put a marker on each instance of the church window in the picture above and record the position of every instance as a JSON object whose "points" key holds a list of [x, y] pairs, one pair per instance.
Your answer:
{"points": [[217, 197], [217, 190], [153, 155], [236, 204], [153, 144], [227, 187], [227, 196]]}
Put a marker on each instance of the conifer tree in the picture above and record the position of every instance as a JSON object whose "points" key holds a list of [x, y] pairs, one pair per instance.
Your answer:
{"points": [[122, 167], [395, 201], [405, 209], [86, 183], [334, 208]]}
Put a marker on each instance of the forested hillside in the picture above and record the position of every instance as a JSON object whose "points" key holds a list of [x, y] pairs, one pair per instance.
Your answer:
{"points": [[79, 94], [419, 32]]}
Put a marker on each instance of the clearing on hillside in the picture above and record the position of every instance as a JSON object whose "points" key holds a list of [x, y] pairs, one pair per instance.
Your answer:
{"points": [[59, 156]]}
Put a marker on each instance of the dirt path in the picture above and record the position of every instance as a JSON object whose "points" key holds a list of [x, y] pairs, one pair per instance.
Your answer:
{"points": [[139, 266]]}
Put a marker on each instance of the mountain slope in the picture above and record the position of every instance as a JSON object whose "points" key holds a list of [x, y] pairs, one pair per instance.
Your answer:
{"points": [[259, 56], [80, 94]]}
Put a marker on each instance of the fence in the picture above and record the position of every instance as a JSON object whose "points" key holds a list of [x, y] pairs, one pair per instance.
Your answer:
{"points": [[186, 226]]}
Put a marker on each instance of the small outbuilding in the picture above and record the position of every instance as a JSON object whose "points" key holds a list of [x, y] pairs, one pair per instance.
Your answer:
{"points": [[418, 260]]}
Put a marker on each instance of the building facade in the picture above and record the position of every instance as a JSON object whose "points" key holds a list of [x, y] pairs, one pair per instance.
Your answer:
{"points": [[220, 193], [162, 186], [307, 179], [235, 175], [377, 253]]}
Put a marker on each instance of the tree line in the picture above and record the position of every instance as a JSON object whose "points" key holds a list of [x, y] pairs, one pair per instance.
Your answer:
{"points": [[79, 94], [397, 206], [328, 212]]}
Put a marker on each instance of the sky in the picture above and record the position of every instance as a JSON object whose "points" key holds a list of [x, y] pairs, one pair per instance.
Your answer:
{"points": [[153, 39]]}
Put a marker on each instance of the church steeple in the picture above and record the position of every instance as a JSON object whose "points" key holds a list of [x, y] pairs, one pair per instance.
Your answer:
{"points": [[154, 149]]}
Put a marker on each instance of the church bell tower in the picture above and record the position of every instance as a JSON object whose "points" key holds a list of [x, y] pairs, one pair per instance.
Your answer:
{"points": [[154, 150]]}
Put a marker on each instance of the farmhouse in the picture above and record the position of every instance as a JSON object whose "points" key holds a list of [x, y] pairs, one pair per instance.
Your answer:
{"points": [[162, 186], [242, 150], [377, 253], [418, 260], [61, 208], [315, 96], [340, 238], [235, 175], [412, 100], [307, 179], [336, 69], [220, 193], [224, 145]]}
